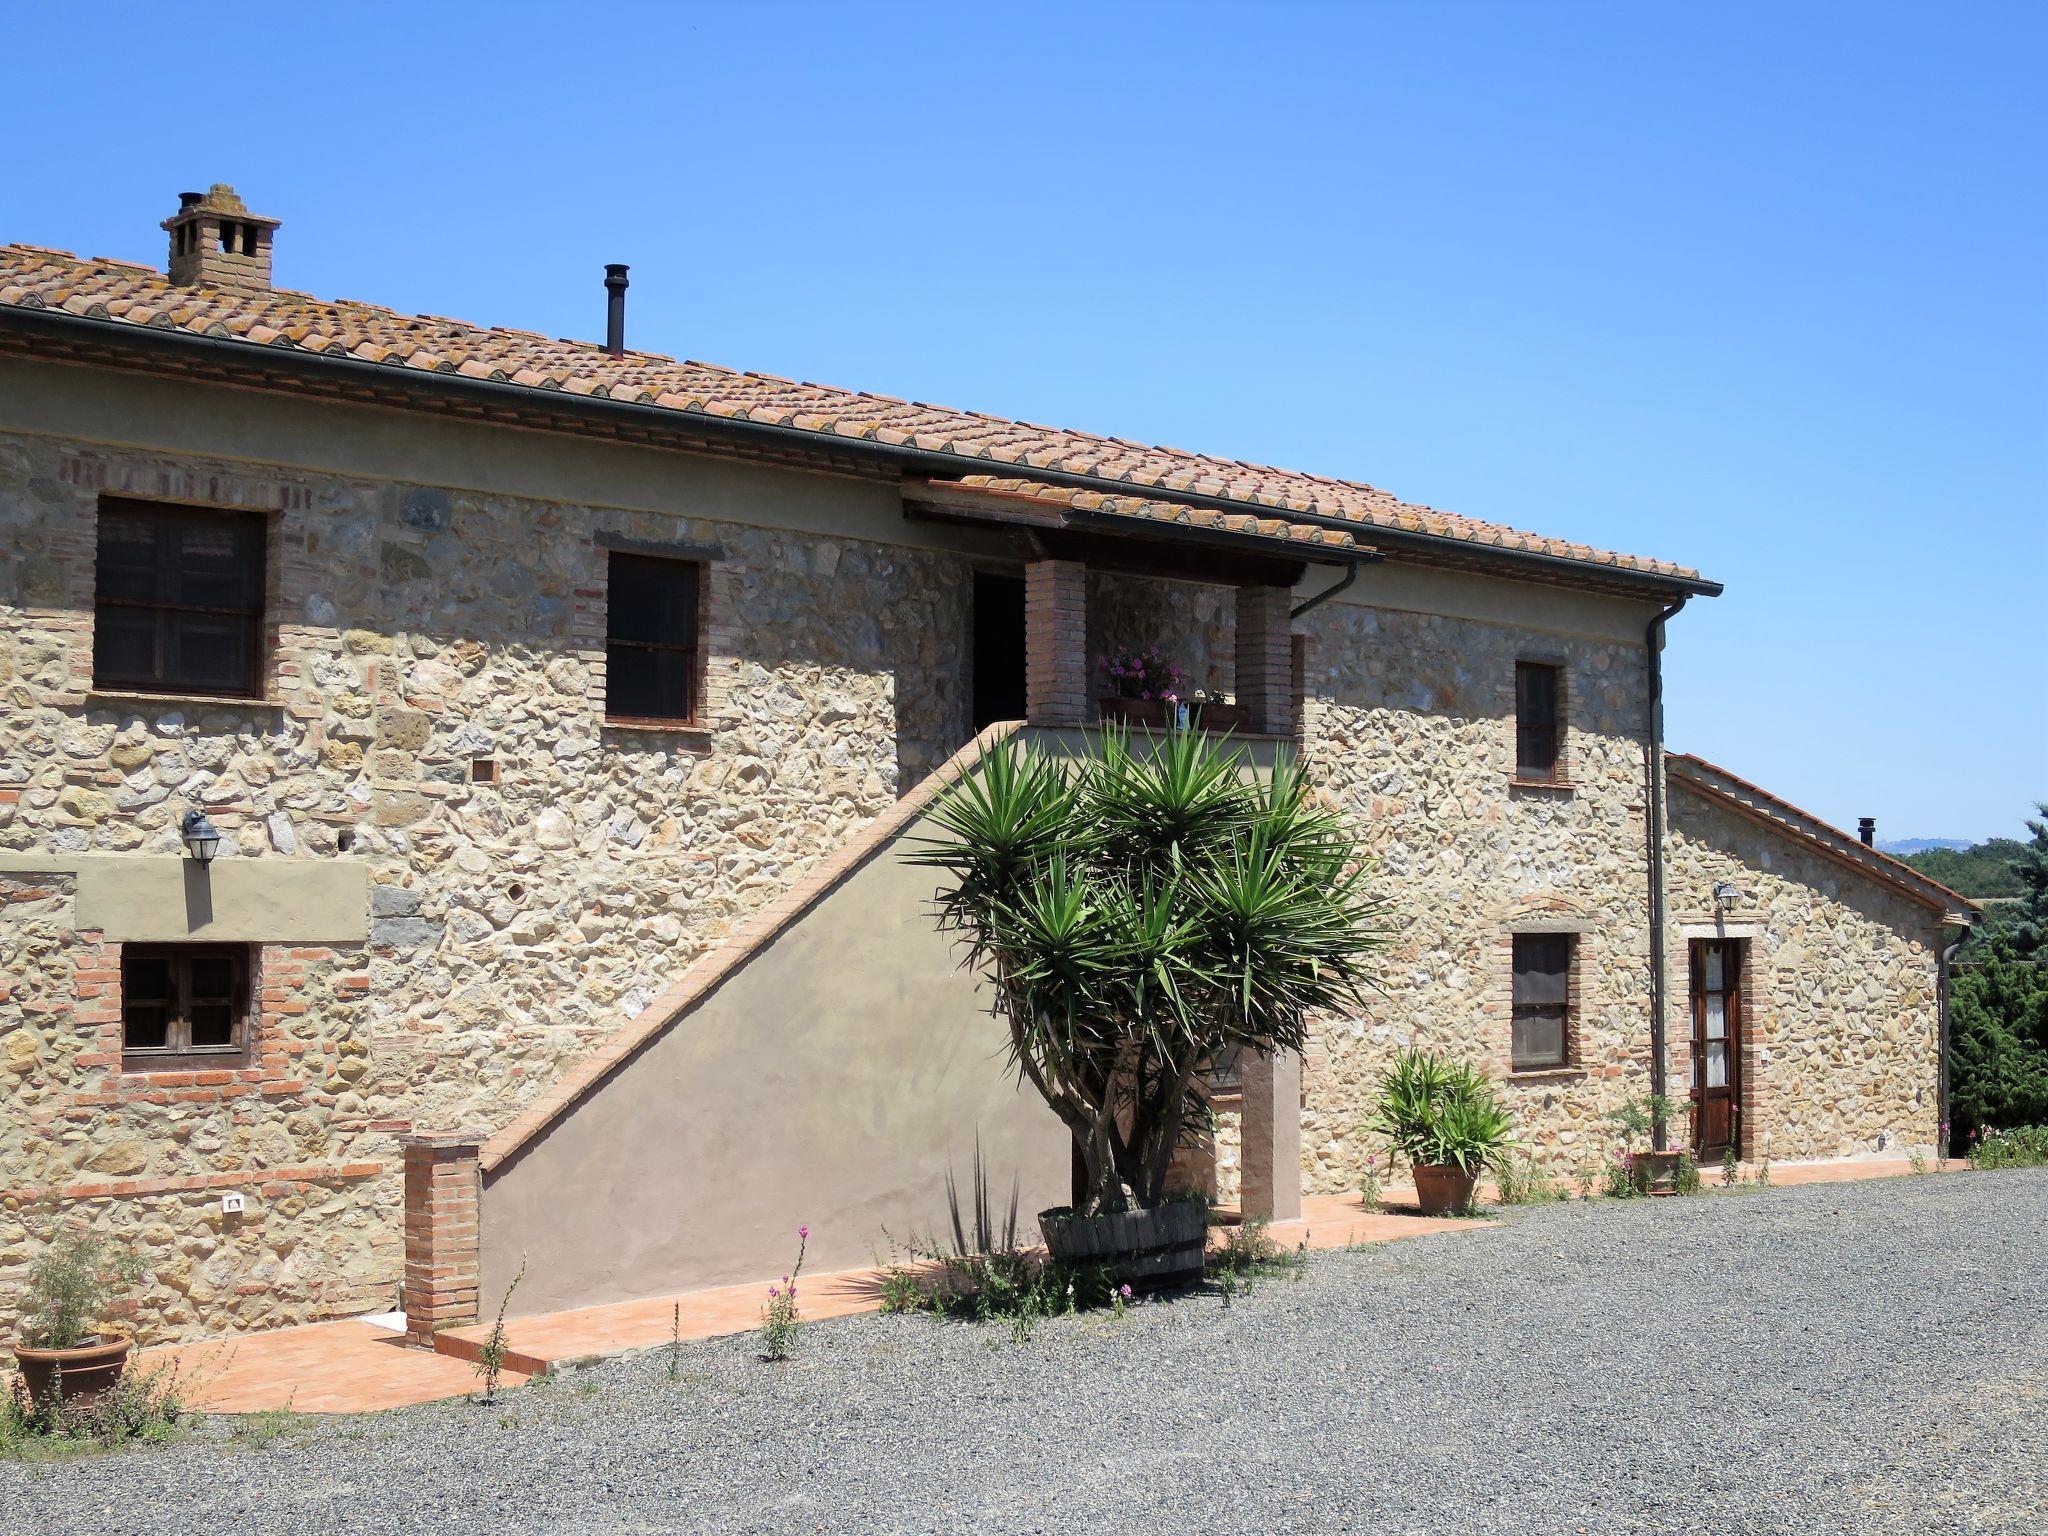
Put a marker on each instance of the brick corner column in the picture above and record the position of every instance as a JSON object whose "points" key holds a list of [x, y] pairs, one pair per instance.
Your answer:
{"points": [[1265, 658], [1056, 642], [443, 1187], [1272, 1136]]}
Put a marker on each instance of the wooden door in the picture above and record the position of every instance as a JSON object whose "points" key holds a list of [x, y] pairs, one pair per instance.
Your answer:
{"points": [[1716, 1045]]}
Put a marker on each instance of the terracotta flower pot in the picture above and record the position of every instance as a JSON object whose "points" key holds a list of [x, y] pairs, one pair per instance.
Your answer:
{"points": [[1442, 1190], [76, 1375]]}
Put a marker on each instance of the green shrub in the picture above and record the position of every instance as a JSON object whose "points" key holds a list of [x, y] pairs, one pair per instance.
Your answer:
{"points": [[2024, 1146], [1998, 1013]]}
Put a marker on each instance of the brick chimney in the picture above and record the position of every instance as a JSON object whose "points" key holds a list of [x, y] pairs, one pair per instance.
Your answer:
{"points": [[216, 242]]}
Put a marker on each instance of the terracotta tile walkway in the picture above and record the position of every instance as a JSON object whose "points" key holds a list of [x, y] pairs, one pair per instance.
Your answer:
{"points": [[344, 1367], [357, 1367]]}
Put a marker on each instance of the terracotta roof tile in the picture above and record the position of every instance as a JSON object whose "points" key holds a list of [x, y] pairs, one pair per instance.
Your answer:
{"points": [[38, 277], [1790, 820]]}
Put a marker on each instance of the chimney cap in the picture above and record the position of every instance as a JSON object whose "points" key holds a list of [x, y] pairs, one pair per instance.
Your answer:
{"points": [[220, 198]]}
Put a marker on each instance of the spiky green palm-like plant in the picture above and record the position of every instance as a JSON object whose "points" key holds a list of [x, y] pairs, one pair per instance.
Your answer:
{"points": [[1141, 913]]}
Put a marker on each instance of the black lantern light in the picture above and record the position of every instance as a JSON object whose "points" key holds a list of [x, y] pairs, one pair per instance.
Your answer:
{"points": [[202, 838]]}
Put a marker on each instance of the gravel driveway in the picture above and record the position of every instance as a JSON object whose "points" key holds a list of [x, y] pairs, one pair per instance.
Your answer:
{"points": [[1831, 1358]]}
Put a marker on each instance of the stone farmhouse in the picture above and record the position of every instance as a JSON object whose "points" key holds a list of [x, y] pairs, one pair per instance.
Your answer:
{"points": [[559, 709]]}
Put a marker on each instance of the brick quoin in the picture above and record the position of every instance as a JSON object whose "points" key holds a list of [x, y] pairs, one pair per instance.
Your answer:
{"points": [[442, 1188]]}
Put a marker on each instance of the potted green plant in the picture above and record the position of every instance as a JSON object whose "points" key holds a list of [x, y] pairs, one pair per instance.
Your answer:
{"points": [[1445, 1119], [1141, 914], [1648, 1170], [65, 1351]]}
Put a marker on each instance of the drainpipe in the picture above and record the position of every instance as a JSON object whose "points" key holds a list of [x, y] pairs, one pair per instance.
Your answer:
{"points": [[1653, 646], [1944, 972], [1322, 597]]}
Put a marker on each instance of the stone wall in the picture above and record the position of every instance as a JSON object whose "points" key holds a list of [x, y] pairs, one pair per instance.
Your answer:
{"points": [[414, 630], [1411, 734], [1839, 987], [1191, 624]]}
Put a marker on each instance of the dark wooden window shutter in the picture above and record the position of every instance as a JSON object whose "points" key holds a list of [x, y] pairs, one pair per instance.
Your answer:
{"points": [[178, 600], [1536, 733], [183, 1004], [652, 650]]}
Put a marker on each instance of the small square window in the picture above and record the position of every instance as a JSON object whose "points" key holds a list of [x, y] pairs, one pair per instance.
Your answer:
{"points": [[1542, 1001], [652, 655], [1539, 686], [178, 600], [183, 1005]]}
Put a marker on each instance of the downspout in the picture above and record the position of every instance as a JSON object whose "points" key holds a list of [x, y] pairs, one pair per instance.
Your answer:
{"points": [[1944, 972], [1322, 597], [1653, 646]]}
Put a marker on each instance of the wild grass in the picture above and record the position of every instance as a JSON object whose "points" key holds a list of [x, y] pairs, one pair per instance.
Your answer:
{"points": [[1248, 1254], [145, 1407]]}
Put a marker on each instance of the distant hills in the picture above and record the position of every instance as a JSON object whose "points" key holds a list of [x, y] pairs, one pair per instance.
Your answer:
{"points": [[1907, 846]]}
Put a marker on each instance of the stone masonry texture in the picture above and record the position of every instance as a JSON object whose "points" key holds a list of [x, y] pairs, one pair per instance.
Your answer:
{"points": [[416, 631], [1840, 978], [512, 924]]}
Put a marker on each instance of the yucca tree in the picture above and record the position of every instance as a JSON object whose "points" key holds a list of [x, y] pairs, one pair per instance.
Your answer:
{"points": [[1140, 914]]}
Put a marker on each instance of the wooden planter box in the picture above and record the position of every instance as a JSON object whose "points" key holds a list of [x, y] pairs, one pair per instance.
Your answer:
{"points": [[1657, 1172], [1151, 713], [1157, 715], [1147, 1249]]}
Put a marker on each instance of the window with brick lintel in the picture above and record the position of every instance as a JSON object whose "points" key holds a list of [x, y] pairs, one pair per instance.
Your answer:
{"points": [[184, 1005], [653, 647], [1542, 1001], [178, 600], [1539, 733]]}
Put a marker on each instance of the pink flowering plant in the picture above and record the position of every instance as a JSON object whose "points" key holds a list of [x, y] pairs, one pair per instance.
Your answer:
{"points": [[780, 1319], [1141, 674]]}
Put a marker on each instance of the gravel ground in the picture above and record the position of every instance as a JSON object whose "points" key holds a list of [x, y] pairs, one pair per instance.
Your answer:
{"points": [[1831, 1358]]}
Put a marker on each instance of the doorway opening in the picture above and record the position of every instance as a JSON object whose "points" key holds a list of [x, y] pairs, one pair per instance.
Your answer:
{"points": [[998, 648]]}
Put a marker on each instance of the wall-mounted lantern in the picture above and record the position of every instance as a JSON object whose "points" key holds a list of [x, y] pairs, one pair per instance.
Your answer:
{"points": [[202, 838], [1725, 895]]}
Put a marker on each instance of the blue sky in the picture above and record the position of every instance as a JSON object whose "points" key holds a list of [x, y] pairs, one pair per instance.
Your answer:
{"points": [[1754, 287]]}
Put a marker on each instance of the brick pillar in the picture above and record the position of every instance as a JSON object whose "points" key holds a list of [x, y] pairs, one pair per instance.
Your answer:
{"points": [[1056, 642], [1272, 1135], [1265, 660], [442, 1188]]}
